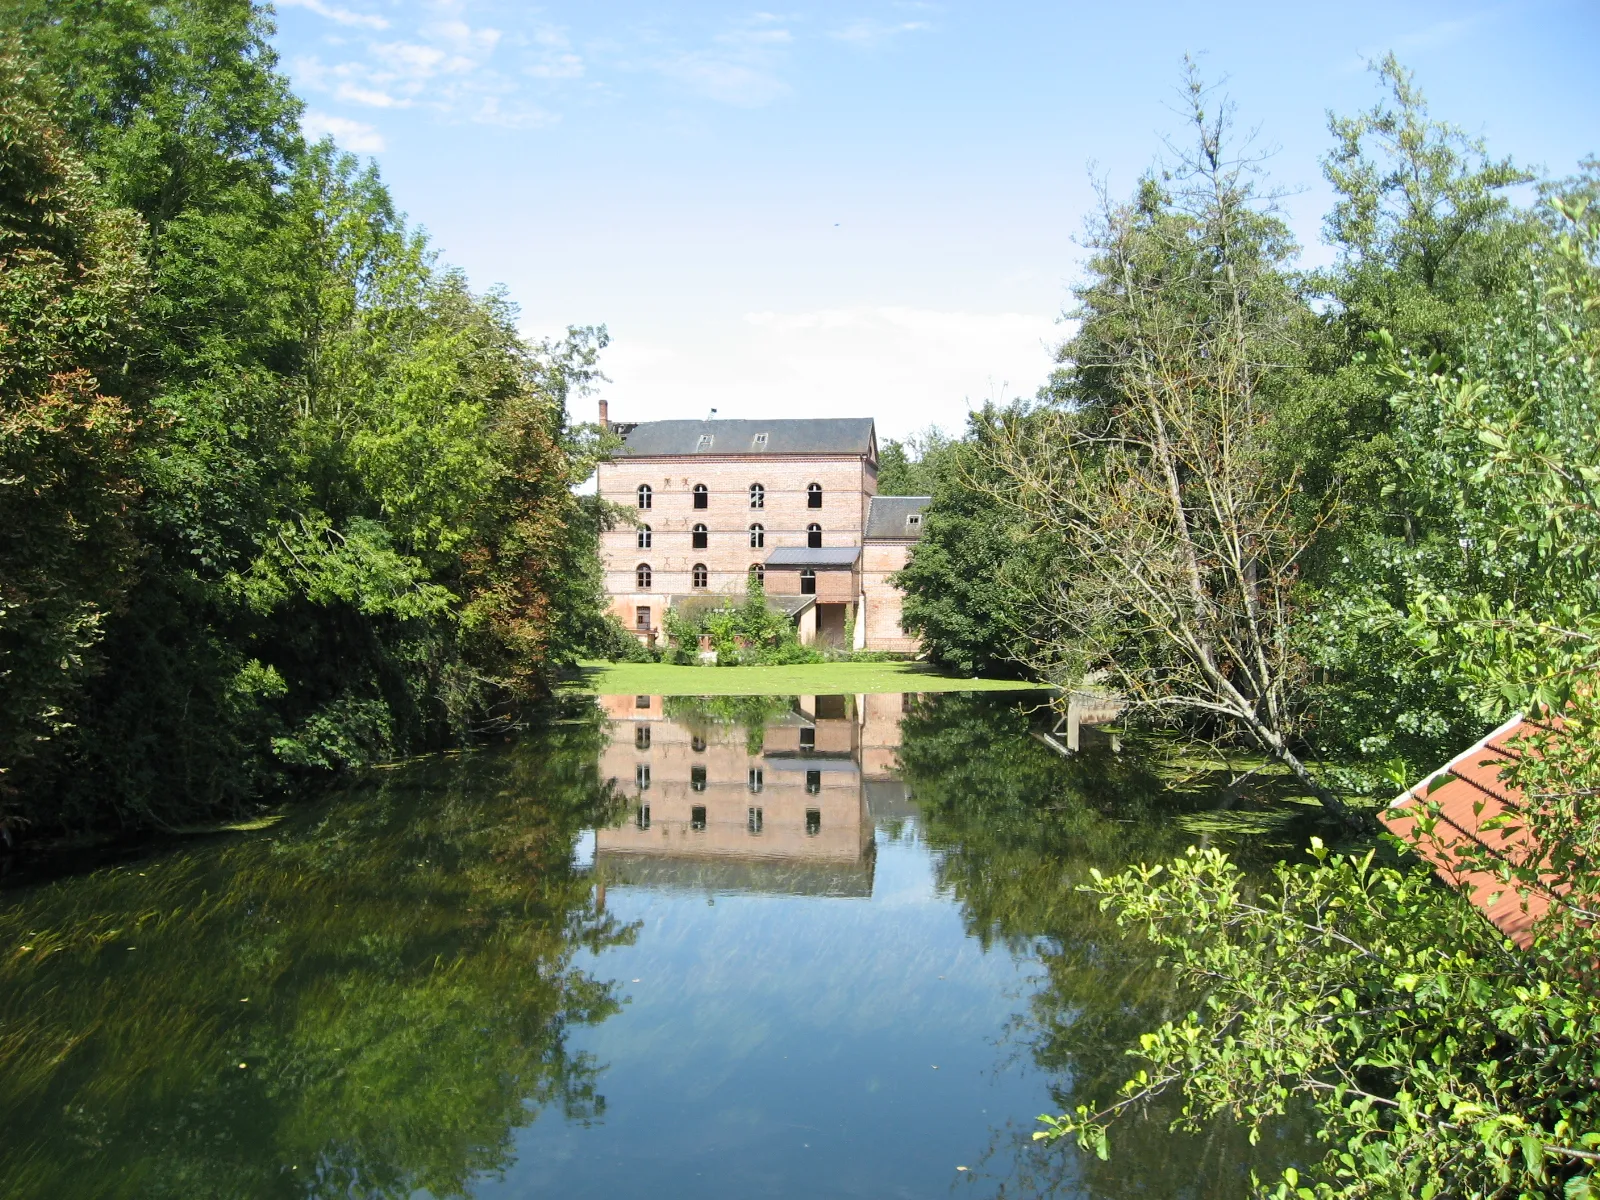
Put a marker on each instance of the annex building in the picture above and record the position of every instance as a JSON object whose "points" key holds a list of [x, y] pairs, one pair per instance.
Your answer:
{"points": [[792, 503]]}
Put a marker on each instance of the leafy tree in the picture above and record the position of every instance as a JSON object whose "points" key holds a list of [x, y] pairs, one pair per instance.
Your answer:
{"points": [[975, 562], [72, 279], [1441, 1059]]}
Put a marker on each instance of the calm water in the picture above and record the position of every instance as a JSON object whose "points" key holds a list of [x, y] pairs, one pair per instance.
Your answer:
{"points": [[748, 947]]}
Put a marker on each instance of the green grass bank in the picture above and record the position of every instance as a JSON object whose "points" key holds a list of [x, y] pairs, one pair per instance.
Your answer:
{"points": [[809, 679]]}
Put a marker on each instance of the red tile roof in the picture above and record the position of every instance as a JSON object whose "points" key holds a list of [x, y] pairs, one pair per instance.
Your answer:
{"points": [[1469, 791]]}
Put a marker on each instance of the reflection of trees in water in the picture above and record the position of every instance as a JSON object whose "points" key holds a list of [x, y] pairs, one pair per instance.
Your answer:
{"points": [[700, 714], [396, 973], [1015, 829]]}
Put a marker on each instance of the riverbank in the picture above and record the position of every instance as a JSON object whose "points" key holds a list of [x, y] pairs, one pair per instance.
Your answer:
{"points": [[808, 679]]}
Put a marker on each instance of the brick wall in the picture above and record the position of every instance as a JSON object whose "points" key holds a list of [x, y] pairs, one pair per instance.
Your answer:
{"points": [[847, 483], [879, 560]]}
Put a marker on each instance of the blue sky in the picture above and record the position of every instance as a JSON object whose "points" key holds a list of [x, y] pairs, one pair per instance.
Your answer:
{"points": [[866, 208]]}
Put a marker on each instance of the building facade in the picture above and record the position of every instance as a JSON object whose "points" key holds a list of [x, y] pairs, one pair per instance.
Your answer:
{"points": [[789, 502]]}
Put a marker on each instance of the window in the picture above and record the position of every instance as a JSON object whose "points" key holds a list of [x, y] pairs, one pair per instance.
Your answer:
{"points": [[697, 744], [644, 537], [641, 776], [808, 582], [813, 495], [813, 815], [641, 737], [645, 495], [697, 817], [808, 739], [753, 821], [705, 442], [758, 536], [760, 441], [702, 577], [758, 496], [757, 779], [758, 573], [641, 816], [641, 576], [913, 520], [641, 617], [641, 701], [701, 537], [814, 536], [702, 496], [697, 781]]}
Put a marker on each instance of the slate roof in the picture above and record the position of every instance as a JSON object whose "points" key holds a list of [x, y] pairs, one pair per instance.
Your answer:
{"points": [[822, 556], [886, 518], [831, 435], [1471, 779]]}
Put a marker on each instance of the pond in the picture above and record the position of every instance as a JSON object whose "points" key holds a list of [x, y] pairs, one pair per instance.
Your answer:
{"points": [[734, 947]]}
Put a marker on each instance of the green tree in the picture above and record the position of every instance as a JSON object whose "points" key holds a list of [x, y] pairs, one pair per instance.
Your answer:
{"points": [[72, 280]]}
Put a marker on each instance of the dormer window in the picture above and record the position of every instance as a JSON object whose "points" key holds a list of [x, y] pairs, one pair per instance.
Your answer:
{"points": [[704, 443], [913, 520], [814, 495], [760, 441], [702, 496]]}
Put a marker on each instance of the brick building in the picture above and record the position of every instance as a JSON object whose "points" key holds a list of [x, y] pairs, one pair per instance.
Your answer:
{"points": [[791, 502]]}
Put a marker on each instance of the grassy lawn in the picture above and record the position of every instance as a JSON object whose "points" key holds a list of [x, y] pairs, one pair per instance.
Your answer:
{"points": [[820, 679]]}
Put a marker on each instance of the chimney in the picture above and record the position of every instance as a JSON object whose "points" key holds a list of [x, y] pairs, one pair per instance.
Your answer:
{"points": [[605, 415]]}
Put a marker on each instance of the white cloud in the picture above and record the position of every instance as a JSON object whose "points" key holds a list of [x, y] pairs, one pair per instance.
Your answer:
{"points": [[353, 136], [371, 97], [340, 16], [908, 367], [869, 32], [739, 67]]}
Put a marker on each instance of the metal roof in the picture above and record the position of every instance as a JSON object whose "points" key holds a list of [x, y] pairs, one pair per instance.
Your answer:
{"points": [[888, 519], [830, 435], [821, 556]]}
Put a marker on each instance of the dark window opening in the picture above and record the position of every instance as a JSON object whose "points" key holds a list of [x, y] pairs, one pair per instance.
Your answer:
{"points": [[757, 779], [758, 572], [702, 497], [832, 708], [702, 537], [645, 495], [644, 537], [758, 496], [758, 536], [702, 577], [814, 536], [641, 617], [813, 815], [697, 744], [641, 737], [697, 817], [641, 701], [808, 582], [697, 779], [814, 495], [753, 820], [641, 775], [642, 576], [641, 817], [808, 739]]}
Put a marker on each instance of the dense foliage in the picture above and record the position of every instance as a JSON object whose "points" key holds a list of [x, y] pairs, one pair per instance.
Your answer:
{"points": [[280, 495], [1438, 436]]}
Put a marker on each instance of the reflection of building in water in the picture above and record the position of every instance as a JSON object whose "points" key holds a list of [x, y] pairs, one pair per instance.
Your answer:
{"points": [[719, 806]]}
